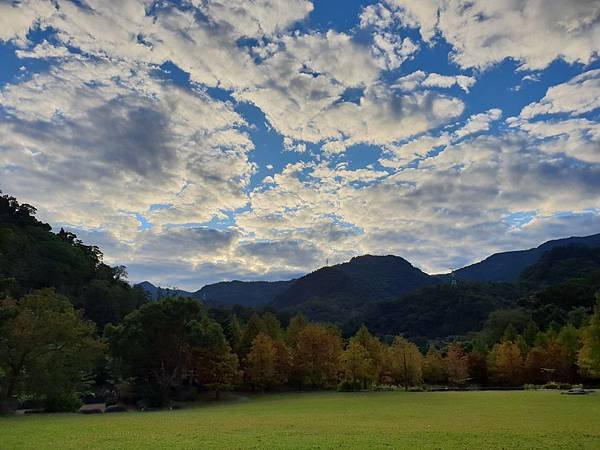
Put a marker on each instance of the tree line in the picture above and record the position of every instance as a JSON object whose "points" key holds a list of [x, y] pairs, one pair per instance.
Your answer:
{"points": [[172, 348]]}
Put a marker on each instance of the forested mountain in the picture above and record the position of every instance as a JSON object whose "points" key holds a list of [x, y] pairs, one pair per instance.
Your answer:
{"points": [[363, 279], [508, 266], [391, 296], [439, 311], [33, 257]]}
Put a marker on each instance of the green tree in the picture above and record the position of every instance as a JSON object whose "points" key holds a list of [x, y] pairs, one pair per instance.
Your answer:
{"points": [[159, 344], [214, 362], [272, 326], [296, 325], [253, 327], [46, 348], [234, 332]]}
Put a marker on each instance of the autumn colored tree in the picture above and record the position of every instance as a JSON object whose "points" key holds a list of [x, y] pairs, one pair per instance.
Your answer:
{"points": [[283, 363], [405, 363], [218, 368], [435, 368], [375, 353], [534, 366], [260, 362], [316, 355], [458, 365], [477, 364], [588, 357], [506, 363], [357, 365]]}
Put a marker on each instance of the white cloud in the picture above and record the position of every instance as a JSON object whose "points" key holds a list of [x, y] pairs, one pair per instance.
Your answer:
{"points": [[485, 32], [90, 132], [17, 18], [420, 79], [479, 122], [445, 81], [577, 96]]}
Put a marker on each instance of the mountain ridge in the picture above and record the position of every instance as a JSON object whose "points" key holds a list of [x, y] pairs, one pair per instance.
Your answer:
{"points": [[366, 278]]}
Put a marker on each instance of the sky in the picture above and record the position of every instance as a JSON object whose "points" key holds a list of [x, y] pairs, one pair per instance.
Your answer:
{"points": [[197, 141]]}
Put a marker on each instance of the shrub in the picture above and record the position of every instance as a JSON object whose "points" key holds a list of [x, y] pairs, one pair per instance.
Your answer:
{"points": [[66, 403]]}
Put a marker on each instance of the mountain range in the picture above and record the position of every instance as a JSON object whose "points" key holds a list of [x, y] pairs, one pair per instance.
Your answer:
{"points": [[365, 279]]}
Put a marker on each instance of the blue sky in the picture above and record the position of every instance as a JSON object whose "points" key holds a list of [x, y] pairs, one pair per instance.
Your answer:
{"points": [[199, 141]]}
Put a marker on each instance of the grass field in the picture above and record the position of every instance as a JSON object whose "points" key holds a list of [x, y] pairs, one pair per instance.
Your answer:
{"points": [[443, 420]]}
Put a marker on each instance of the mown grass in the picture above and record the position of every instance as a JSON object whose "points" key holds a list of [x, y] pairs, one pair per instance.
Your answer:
{"points": [[441, 420]]}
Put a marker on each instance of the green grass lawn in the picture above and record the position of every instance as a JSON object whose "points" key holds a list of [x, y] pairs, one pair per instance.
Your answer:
{"points": [[444, 420]]}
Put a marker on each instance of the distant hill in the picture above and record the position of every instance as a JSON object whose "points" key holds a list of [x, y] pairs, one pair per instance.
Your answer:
{"points": [[508, 266], [226, 293], [245, 293], [331, 292], [156, 292]]}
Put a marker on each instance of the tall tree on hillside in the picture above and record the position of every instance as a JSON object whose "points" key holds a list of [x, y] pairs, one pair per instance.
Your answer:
{"points": [[316, 355], [405, 363], [46, 347]]}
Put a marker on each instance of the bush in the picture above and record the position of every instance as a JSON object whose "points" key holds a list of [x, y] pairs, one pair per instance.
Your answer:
{"points": [[349, 386], [67, 403]]}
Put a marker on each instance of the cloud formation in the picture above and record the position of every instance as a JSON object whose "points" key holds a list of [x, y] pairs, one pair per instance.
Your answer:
{"points": [[204, 140]]}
